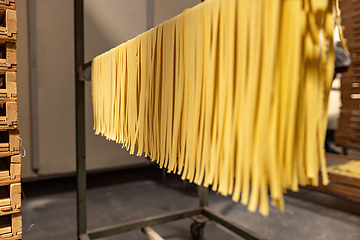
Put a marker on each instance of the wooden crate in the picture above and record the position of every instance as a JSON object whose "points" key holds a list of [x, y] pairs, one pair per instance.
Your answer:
{"points": [[11, 226], [8, 56], [9, 142], [10, 199], [340, 185], [8, 88], [8, 115], [7, 4], [10, 170], [8, 25], [348, 133]]}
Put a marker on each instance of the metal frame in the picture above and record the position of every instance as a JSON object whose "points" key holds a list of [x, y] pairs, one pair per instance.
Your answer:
{"points": [[199, 215]]}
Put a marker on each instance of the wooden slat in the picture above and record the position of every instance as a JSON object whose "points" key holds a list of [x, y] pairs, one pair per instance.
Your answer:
{"points": [[11, 226], [14, 140], [342, 189], [8, 182], [348, 128], [350, 136], [339, 183], [346, 143], [15, 171], [16, 224], [10, 199], [8, 154], [15, 195], [5, 225], [10, 61], [7, 4], [11, 113], [4, 168], [353, 181], [332, 158], [10, 93], [15, 159], [4, 196], [11, 25]]}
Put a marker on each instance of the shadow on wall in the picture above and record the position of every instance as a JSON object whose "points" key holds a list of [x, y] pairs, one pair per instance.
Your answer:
{"points": [[97, 40], [107, 26]]}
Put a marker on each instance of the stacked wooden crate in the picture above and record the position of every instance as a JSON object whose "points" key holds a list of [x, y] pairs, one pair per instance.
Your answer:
{"points": [[348, 132], [343, 185], [10, 159]]}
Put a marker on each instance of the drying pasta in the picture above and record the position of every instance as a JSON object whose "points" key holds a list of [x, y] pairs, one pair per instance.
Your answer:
{"points": [[351, 168], [230, 94]]}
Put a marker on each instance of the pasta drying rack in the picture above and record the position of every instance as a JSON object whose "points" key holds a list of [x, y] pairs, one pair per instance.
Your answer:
{"points": [[200, 215]]}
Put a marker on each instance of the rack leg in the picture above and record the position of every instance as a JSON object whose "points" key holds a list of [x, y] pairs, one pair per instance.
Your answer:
{"points": [[204, 196], [151, 233], [80, 119], [235, 228]]}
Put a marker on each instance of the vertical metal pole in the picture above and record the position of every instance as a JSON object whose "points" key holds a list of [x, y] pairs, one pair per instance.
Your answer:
{"points": [[32, 21], [204, 196], [80, 118]]}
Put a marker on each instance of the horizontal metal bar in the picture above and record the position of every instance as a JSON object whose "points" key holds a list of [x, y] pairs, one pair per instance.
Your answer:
{"points": [[239, 230], [84, 73], [84, 237], [86, 65], [151, 234], [139, 224]]}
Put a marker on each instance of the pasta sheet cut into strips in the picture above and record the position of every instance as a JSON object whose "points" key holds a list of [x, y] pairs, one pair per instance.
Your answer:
{"points": [[230, 94]]}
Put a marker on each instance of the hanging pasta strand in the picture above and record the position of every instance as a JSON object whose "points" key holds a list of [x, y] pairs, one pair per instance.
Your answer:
{"points": [[211, 18], [221, 102], [157, 92], [240, 86], [230, 94], [211, 45], [197, 138], [178, 93], [251, 103], [191, 38]]}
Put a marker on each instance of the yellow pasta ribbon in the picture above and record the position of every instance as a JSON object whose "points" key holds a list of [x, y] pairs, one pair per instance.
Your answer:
{"points": [[230, 94]]}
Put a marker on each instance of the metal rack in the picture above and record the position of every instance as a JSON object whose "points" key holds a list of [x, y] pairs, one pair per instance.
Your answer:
{"points": [[200, 215]]}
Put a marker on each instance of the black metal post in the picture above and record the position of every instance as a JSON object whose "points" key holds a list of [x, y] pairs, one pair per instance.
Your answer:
{"points": [[204, 196], [80, 118], [232, 226]]}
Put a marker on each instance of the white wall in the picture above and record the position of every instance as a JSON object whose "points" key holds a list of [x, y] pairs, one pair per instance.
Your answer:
{"points": [[56, 97], [107, 25], [166, 9]]}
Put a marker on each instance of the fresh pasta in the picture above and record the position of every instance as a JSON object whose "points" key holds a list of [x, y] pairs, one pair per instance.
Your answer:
{"points": [[230, 94], [351, 168]]}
